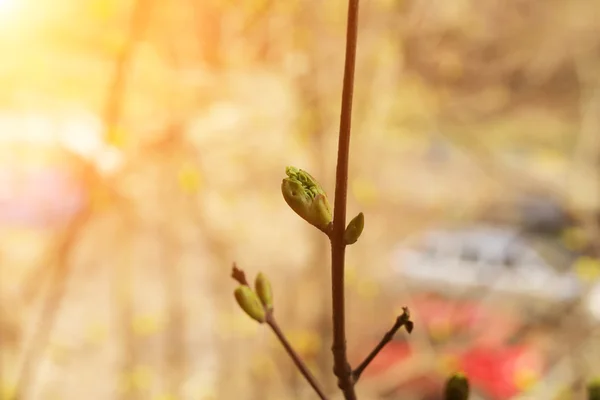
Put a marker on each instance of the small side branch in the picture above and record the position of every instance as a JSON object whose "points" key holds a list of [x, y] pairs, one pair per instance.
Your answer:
{"points": [[240, 276], [295, 357], [402, 320]]}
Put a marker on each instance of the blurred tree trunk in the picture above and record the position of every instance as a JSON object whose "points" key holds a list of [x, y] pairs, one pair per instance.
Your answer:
{"points": [[209, 32], [122, 296], [176, 318]]}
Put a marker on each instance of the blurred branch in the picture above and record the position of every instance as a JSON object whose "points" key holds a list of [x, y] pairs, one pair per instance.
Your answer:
{"points": [[51, 305], [175, 335], [140, 17], [402, 320], [209, 32], [173, 272], [257, 18], [121, 296], [122, 274]]}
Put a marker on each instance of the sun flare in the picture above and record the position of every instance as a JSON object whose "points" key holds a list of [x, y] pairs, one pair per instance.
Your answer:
{"points": [[6, 6]]}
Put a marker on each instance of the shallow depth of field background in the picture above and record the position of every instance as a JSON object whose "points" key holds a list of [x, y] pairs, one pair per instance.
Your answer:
{"points": [[142, 147]]}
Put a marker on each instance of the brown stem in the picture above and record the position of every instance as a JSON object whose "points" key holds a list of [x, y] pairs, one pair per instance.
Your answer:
{"points": [[402, 320], [342, 368], [294, 356]]}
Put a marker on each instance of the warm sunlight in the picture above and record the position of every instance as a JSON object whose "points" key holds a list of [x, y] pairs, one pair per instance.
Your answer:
{"points": [[147, 146], [80, 133], [7, 6]]}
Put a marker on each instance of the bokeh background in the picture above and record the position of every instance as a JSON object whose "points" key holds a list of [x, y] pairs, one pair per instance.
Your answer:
{"points": [[142, 147]]}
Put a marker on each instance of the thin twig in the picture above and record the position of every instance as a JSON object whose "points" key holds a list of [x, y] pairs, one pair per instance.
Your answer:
{"points": [[402, 320], [294, 356], [342, 368]]}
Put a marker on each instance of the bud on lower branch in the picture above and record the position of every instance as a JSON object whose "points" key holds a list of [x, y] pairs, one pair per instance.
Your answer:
{"points": [[457, 388], [250, 303], [593, 390], [264, 291]]}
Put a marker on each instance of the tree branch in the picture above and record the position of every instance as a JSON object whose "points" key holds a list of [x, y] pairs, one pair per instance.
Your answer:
{"points": [[342, 368], [402, 320], [240, 276], [294, 356]]}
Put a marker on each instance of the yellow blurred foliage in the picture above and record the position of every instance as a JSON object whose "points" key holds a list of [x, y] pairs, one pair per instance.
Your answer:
{"points": [[165, 396], [441, 330], [525, 378], [99, 198], [113, 42], [351, 275], [305, 342], [102, 9], [447, 364], [116, 137], [236, 324], [8, 391], [263, 366], [367, 289], [138, 379], [146, 325], [565, 393], [58, 353], [96, 334], [189, 179], [587, 269], [365, 191], [574, 238]]}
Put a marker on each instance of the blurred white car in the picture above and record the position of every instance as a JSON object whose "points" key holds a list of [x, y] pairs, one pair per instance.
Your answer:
{"points": [[488, 257]]}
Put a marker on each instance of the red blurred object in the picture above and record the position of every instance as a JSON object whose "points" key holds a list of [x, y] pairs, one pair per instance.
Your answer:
{"points": [[433, 313], [496, 371], [42, 188], [495, 368]]}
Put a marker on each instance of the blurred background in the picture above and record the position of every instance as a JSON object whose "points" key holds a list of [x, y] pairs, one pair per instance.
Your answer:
{"points": [[142, 147]]}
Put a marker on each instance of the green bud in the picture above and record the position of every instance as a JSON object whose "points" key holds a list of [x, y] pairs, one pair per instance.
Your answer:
{"points": [[593, 389], [307, 198], [457, 387], [263, 289], [354, 229], [249, 302]]}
